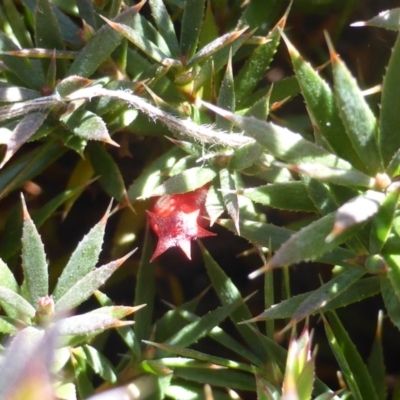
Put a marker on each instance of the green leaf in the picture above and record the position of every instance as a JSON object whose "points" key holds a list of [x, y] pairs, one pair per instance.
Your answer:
{"points": [[149, 48], [21, 67], [228, 293], [48, 32], [17, 302], [8, 326], [88, 126], [191, 355], [175, 319], [47, 211], [7, 278], [226, 97], [358, 119], [192, 20], [245, 156], [110, 176], [89, 324], [17, 24], [335, 176], [284, 196], [389, 19], [257, 64], [322, 108], [192, 332], [145, 291], [28, 166], [358, 291], [165, 25], [272, 237], [214, 204], [376, 362], [383, 221], [186, 181], [393, 271], [350, 362], [86, 12], [281, 142], [24, 130], [34, 262], [99, 363], [308, 244], [101, 45], [215, 46], [228, 189], [222, 378], [391, 301], [389, 117], [327, 292], [152, 176], [356, 211], [83, 259], [83, 288]]}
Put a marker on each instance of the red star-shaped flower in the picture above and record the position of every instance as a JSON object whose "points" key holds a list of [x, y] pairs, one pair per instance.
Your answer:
{"points": [[175, 220]]}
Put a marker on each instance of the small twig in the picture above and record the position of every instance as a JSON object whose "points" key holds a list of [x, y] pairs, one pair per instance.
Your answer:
{"points": [[202, 133]]}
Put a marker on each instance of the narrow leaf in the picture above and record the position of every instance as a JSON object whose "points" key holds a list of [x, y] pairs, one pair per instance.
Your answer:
{"points": [[7, 278], [152, 176], [393, 272], [101, 45], [327, 292], [192, 355], [356, 211], [389, 117], [34, 262], [216, 45], [89, 324], [83, 259], [145, 291], [391, 301], [322, 107], [358, 119], [83, 288], [192, 332], [281, 142], [272, 237], [192, 20], [165, 25], [389, 19], [229, 196], [307, 244], [357, 292], [186, 181], [110, 176], [97, 362], [257, 64], [88, 126], [17, 302], [383, 221], [228, 293], [22, 133], [376, 362], [284, 196], [21, 67], [350, 362], [214, 204], [336, 176], [226, 97], [148, 47]]}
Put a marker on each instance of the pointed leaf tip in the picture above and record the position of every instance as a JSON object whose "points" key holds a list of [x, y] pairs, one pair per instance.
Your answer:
{"points": [[25, 212]]}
